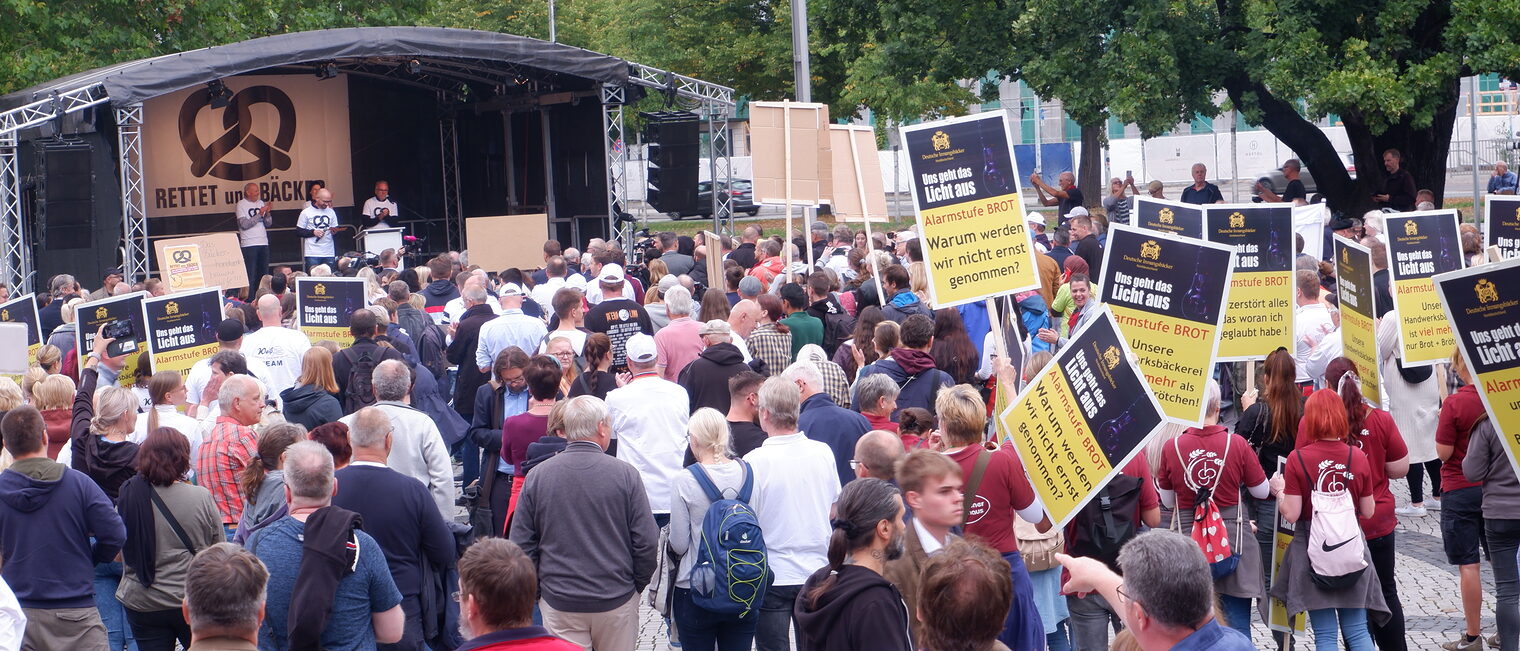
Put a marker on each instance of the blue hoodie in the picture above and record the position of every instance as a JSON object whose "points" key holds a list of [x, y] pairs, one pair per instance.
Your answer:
{"points": [[47, 515]]}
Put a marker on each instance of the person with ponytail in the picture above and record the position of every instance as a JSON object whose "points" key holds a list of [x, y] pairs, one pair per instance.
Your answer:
{"points": [[1269, 423], [1374, 431], [166, 394], [848, 604], [262, 482]]}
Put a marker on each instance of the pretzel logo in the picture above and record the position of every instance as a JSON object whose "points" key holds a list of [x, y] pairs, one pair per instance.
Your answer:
{"points": [[237, 125]]}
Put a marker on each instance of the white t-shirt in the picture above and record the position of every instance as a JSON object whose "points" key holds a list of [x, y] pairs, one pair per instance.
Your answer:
{"points": [[1310, 325], [796, 483], [251, 223], [200, 376], [313, 218], [649, 417], [543, 294], [373, 206], [577, 340], [280, 351], [168, 416]]}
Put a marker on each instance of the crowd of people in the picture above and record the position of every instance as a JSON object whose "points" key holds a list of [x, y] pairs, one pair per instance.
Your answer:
{"points": [[788, 453]]}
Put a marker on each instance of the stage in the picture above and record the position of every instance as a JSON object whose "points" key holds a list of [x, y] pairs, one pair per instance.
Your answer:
{"points": [[96, 166]]}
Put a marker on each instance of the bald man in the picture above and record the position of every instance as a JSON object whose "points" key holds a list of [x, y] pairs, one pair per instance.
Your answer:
{"points": [[279, 348], [876, 455], [252, 219], [315, 226]]}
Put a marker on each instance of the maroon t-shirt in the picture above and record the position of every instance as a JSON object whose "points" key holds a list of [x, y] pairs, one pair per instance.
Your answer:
{"points": [[1458, 413], [1149, 498], [1326, 462], [1003, 491], [1381, 442], [1197, 456], [518, 432]]}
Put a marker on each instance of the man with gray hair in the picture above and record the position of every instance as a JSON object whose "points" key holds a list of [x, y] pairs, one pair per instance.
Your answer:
{"points": [[343, 597], [796, 482], [877, 396], [224, 599], [1165, 597], [876, 455], [822, 419], [399, 512], [230, 445], [418, 450], [746, 313], [593, 560], [678, 343]]}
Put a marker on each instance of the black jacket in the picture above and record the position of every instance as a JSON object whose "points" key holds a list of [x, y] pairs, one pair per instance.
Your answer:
{"points": [[343, 362], [309, 406], [462, 353], [706, 377], [1088, 249], [439, 292], [744, 254], [860, 611]]}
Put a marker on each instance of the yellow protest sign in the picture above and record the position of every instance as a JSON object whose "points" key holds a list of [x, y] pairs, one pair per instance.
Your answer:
{"points": [[970, 214], [324, 305], [1421, 245], [1258, 314], [1482, 306], [1353, 288], [182, 328]]}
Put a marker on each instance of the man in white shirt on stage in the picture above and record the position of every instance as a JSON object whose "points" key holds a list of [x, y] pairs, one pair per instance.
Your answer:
{"points": [[380, 211], [315, 226], [252, 219]]}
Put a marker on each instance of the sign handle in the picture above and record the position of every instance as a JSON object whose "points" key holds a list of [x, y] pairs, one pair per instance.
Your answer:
{"points": [[865, 217], [786, 129], [1251, 375]]}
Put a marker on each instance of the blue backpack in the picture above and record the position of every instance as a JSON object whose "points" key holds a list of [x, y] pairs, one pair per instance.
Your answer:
{"points": [[731, 574]]}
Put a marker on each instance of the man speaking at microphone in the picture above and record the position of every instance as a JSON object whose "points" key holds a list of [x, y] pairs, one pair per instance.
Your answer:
{"points": [[380, 211], [315, 226]]}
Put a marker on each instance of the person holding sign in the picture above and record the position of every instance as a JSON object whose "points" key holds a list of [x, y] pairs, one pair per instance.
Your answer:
{"points": [[996, 489], [1202, 471], [1086, 310], [1461, 499], [1321, 474]]}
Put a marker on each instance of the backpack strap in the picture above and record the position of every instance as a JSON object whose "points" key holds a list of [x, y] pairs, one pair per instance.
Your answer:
{"points": [[982, 460], [1313, 481], [749, 481], [713, 494], [169, 518]]}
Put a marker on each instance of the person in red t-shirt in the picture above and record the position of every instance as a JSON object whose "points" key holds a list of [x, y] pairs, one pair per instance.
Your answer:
{"points": [[1461, 500], [522, 430], [1375, 433], [1212, 458], [1001, 491], [1326, 464], [497, 585], [1091, 615]]}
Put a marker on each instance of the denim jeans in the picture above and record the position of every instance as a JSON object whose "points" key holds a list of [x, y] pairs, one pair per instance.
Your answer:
{"points": [[112, 614], [256, 263], [1059, 639], [1237, 613], [313, 262], [1332, 624], [159, 630], [705, 630], [1503, 542], [775, 620]]}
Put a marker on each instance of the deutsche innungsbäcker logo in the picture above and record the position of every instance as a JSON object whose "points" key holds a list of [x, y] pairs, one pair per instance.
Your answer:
{"points": [[1487, 292], [237, 121], [1411, 228], [941, 140]]}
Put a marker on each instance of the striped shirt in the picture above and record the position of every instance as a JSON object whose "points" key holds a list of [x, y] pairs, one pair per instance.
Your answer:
{"points": [[771, 346], [227, 450]]}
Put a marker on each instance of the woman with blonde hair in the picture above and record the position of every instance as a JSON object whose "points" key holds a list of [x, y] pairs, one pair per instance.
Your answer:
{"points": [[166, 393], [53, 396], [313, 400], [563, 351], [372, 289], [717, 474], [50, 358], [33, 375]]}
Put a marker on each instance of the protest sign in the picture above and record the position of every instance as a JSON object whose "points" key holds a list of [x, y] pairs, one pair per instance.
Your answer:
{"points": [[1309, 222], [1278, 617], [14, 358], [1082, 418], [1353, 289], [123, 317], [182, 328], [1258, 315], [969, 211], [1421, 245], [23, 310], [1501, 223], [1170, 217], [201, 260], [1167, 295], [1482, 305], [1003, 315], [324, 306]]}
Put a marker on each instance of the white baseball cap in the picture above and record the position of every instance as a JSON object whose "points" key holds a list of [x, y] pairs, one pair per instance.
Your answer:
{"points": [[1078, 211], [611, 273], [512, 289], [640, 348]]}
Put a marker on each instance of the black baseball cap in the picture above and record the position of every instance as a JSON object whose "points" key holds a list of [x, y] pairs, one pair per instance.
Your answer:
{"points": [[230, 330]]}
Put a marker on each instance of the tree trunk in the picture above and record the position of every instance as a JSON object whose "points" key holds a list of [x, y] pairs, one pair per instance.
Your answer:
{"points": [[1090, 167], [1310, 145], [1424, 149]]}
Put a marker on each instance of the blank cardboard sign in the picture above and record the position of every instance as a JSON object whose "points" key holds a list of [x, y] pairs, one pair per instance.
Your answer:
{"points": [[507, 241], [847, 187], [811, 159]]}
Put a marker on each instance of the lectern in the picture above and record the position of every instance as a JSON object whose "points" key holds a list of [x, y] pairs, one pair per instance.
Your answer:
{"points": [[375, 240]]}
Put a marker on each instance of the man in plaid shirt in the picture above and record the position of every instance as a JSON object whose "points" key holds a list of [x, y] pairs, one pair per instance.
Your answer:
{"points": [[230, 446]]}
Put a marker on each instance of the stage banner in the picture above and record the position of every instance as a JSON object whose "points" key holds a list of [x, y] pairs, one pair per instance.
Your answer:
{"points": [[282, 132], [1167, 294], [1258, 316], [1501, 223], [968, 207], [1353, 289], [1082, 418], [1278, 617], [120, 314], [1421, 245], [182, 328], [1170, 217], [324, 305], [23, 310], [1481, 304]]}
